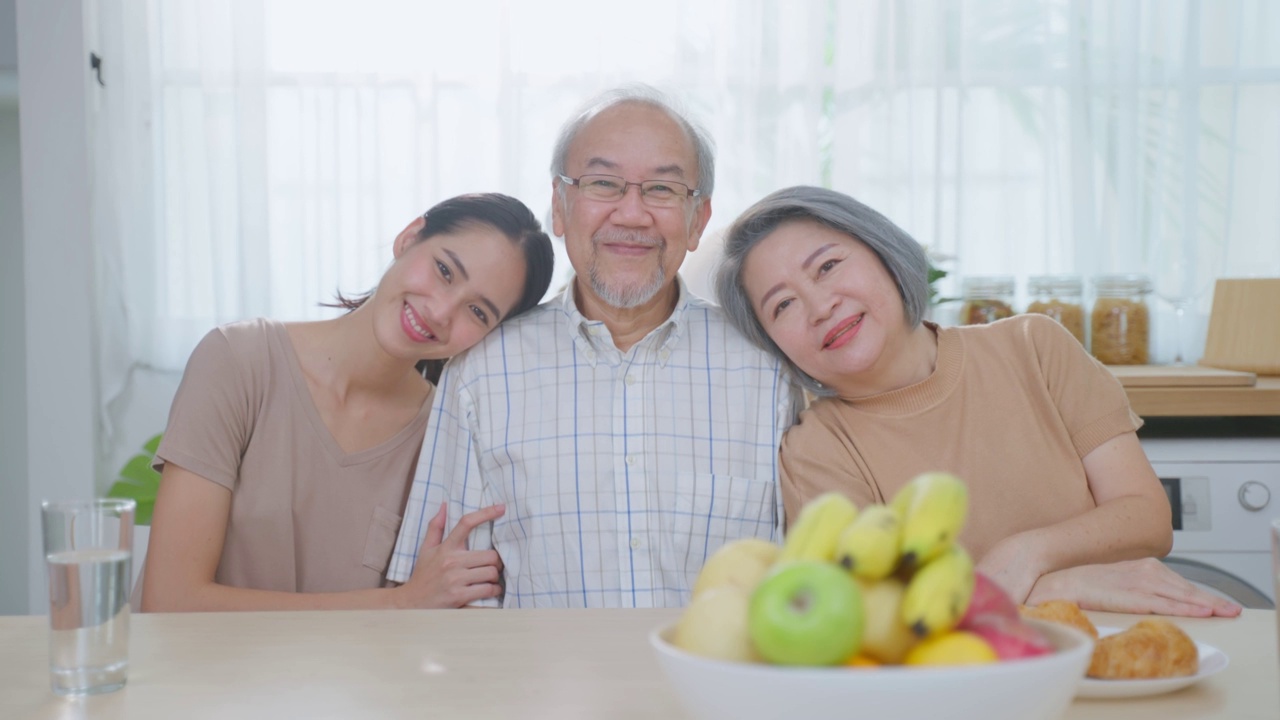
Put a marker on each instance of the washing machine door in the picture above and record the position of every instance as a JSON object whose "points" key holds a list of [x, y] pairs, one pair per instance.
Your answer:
{"points": [[1221, 582]]}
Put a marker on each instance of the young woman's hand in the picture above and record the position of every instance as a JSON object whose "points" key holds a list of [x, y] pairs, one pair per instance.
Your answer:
{"points": [[1132, 586], [447, 574]]}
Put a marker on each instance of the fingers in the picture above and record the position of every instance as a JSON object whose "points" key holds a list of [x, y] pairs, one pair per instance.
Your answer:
{"points": [[473, 520], [1179, 589], [481, 591], [1212, 604], [483, 575], [464, 585], [1224, 608], [435, 529], [1183, 609], [471, 559]]}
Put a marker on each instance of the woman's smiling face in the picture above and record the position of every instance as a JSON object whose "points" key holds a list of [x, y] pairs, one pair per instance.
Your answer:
{"points": [[445, 293], [826, 300]]}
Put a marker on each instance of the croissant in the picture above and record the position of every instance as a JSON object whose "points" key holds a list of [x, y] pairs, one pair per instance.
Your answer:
{"points": [[1064, 612], [1152, 648]]}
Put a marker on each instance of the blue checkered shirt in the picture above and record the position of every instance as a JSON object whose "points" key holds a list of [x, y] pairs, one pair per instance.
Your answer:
{"points": [[621, 472]]}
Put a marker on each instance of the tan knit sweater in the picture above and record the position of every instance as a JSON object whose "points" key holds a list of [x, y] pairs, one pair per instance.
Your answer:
{"points": [[1011, 408]]}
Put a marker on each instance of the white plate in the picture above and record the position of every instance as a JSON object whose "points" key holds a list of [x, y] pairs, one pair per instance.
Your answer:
{"points": [[1212, 661]]}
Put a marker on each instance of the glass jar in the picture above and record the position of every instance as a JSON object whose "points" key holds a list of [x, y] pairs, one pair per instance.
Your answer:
{"points": [[1121, 329], [1061, 297], [987, 298]]}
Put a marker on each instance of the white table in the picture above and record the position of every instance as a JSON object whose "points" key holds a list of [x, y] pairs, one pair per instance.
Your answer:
{"points": [[482, 664]]}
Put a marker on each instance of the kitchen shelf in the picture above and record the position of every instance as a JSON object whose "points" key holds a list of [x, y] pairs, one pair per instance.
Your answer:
{"points": [[1199, 392]]}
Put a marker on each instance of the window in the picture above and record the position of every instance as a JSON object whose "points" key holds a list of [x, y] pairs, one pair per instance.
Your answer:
{"points": [[275, 147]]}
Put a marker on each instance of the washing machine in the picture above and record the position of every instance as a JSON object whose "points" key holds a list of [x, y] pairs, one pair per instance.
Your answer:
{"points": [[1222, 476]]}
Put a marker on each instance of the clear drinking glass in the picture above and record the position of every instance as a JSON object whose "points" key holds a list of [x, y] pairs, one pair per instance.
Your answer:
{"points": [[1183, 270], [88, 550]]}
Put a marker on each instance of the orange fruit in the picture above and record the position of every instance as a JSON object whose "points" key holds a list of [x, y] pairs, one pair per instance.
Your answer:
{"points": [[862, 662], [952, 648]]}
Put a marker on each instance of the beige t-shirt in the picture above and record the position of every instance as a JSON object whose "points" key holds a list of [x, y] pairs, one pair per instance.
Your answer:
{"points": [[1011, 407], [305, 516]]}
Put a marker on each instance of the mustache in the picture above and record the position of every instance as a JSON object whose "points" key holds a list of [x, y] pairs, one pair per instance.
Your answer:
{"points": [[627, 237]]}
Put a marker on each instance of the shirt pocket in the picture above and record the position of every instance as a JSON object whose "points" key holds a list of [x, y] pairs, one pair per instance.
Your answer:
{"points": [[711, 509], [381, 539]]}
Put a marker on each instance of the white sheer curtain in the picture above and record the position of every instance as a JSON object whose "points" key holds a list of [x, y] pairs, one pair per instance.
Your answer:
{"points": [[1084, 136], [258, 155]]}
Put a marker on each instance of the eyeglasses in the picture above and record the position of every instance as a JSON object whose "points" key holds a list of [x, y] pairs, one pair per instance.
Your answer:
{"points": [[654, 193]]}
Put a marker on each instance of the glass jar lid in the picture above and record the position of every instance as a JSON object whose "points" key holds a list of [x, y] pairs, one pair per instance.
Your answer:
{"points": [[987, 286], [1121, 284], [1055, 285]]}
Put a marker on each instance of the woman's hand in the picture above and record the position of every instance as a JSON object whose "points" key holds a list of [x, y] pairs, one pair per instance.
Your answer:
{"points": [[1013, 564], [447, 574], [1132, 586]]}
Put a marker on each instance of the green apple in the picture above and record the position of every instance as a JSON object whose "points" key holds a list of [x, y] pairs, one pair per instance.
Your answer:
{"points": [[806, 613], [715, 626]]}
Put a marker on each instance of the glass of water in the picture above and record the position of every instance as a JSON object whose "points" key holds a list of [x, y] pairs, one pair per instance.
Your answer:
{"points": [[88, 550]]}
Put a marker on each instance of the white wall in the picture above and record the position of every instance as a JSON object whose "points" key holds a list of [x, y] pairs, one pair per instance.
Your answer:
{"points": [[48, 393], [14, 501], [58, 274], [8, 36], [13, 360]]}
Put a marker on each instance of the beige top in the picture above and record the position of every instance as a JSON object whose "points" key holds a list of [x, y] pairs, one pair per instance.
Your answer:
{"points": [[1011, 408], [305, 516]]}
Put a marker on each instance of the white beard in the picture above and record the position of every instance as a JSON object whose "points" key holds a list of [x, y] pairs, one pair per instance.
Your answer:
{"points": [[629, 296]]}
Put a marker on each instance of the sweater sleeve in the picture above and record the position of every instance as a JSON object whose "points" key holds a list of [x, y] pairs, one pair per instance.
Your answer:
{"points": [[211, 419], [1092, 403]]}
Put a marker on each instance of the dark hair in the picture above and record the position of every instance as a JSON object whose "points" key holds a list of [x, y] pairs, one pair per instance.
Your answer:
{"points": [[501, 212], [901, 255]]}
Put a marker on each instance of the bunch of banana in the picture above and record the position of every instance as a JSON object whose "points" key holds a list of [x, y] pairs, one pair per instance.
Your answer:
{"points": [[870, 546], [815, 532], [938, 594], [932, 508], [906, 584]]}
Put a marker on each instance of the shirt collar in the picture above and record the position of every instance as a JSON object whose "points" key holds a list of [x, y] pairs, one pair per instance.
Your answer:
{"points": [[592, 337]]}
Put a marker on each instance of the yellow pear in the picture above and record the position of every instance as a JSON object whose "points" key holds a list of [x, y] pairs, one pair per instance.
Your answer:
{"points": [[885, 637], [715, 626], [741, 563]]}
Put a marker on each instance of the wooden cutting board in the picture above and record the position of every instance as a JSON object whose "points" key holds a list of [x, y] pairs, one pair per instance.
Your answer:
{"points": [[1244, 332], [1179, 376]]}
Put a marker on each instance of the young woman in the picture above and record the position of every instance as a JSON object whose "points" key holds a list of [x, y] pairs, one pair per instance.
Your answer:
{"points": [[1060, 488], [290, 447]]}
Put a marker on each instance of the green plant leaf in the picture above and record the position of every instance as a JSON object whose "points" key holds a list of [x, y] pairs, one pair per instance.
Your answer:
{"points": [[137, 481], [935, 274]]}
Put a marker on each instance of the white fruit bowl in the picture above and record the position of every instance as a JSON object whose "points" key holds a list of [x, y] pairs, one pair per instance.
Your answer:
{"points": [[1033, 689]]}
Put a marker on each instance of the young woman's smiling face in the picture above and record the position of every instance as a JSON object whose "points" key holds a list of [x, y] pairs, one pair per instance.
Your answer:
{"points": [[826, 300], [445, 293]]}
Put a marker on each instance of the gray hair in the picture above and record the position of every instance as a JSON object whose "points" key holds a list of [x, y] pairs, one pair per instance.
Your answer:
{"points": [[902, 256], [640, 94]]}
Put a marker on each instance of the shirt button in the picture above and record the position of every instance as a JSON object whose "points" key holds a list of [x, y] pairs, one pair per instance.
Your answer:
{"points": [[664, 354], [631, 459], [636, 543], [631, 379]]}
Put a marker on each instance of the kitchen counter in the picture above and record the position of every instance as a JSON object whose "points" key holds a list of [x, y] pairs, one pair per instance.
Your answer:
{"points": [[486, 664], [1191, 394]]}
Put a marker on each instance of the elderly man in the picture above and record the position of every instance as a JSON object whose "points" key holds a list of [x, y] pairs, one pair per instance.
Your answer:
{"points": [[628, 429]]}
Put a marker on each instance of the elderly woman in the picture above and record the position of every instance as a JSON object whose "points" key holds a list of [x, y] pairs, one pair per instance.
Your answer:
{"points": [[1063, 500]]}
